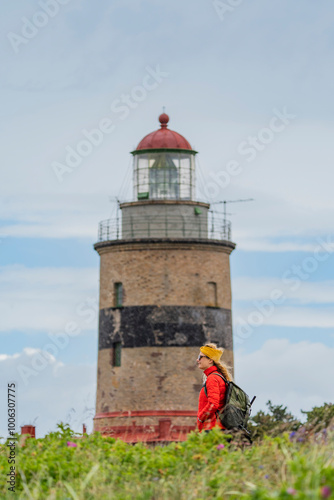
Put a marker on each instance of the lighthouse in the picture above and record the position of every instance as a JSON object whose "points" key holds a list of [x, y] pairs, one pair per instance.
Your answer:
{"points": [[165, 290]]}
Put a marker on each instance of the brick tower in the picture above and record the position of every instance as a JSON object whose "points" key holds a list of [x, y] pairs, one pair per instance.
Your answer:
{"points": [[164, 291]]}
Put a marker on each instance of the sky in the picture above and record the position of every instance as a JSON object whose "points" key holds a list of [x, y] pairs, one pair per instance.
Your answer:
{"points": [[250, 85]]}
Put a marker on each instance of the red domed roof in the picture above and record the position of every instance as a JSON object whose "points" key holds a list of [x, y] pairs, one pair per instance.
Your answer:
{"points": [[164, 138]]}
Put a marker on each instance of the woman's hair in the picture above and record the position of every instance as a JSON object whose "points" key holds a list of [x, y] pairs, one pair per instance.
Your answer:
{"points": [[222, 368]]}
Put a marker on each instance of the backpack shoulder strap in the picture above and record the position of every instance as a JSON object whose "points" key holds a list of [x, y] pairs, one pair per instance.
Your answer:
{"points": [[219, 375]]}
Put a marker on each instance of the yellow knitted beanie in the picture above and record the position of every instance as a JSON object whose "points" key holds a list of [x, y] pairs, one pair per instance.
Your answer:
{"points": [[214, 354]]}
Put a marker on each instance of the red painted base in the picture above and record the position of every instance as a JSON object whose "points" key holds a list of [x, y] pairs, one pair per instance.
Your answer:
{"points": [[164, 431]]}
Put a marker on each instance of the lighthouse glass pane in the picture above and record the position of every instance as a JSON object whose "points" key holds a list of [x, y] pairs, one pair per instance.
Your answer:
{"points": [[141, 178], [192, 178], [185, 177], [164, 176]]}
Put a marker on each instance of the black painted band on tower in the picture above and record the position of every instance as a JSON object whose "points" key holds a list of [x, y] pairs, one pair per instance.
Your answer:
{"points": [[165, 326]]}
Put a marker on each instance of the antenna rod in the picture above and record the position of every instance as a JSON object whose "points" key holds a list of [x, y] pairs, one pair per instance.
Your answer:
{"points": [[117, 217], [230, 201]]}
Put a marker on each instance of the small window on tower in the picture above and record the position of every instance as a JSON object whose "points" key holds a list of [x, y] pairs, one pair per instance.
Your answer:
{"points": [[213, 299], [118, 294], [117, 352]]}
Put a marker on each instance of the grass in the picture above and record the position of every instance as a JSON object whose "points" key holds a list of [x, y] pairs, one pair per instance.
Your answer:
{"points": [[204, 467]]}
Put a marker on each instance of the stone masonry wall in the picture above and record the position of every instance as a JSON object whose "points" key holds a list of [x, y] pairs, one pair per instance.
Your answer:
{"points": [[165, 274], [150, 378]]}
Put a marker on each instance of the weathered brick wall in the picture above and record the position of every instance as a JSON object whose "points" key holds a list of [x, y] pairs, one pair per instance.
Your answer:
{"points": [[165, 274], [150, 378]]}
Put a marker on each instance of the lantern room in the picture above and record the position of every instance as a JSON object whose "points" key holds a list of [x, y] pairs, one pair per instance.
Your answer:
{"points": [[164, 166]]}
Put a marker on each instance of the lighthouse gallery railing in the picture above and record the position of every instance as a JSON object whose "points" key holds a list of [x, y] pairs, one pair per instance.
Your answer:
{"points": [[161, 226]]}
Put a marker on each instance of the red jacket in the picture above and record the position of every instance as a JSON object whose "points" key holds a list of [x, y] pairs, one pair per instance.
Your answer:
{"points": [[208, 406]]}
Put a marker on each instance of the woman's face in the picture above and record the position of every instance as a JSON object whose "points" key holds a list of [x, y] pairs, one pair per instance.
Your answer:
{"points": [[203, 362]]}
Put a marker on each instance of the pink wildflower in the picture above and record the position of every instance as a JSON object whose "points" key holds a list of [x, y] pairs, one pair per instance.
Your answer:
{"points": [[291, 491], [326, 492], [220, 446], [71, 444]]}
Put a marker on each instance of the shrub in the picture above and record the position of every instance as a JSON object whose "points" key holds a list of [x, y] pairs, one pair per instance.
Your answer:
{"points": [[274, 423], [320, 416]]}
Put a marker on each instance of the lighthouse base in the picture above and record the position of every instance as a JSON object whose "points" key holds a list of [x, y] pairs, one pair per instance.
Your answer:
{"points": [[146, 426]]}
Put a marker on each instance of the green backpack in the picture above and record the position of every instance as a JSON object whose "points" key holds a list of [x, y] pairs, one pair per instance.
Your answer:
{"points": [[237, 407]]}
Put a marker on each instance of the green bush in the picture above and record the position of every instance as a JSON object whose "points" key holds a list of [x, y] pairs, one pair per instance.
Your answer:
{"points": [[274, 423], [320, 416]]}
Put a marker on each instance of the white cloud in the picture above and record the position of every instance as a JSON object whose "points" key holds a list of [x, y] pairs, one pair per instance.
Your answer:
{"points": [[298, 317], [272, 301], [266, 245], [259, 288], [281, 179], [54, 216], [274, 222], [298, 375], [47, 298], [56, 393]]}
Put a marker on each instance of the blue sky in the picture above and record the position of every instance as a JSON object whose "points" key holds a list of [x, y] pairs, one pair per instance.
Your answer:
{"points": [[224, 79]]}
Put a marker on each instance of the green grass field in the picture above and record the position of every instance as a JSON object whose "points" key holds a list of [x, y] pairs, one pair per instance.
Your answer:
{"points": [[206, 466]]}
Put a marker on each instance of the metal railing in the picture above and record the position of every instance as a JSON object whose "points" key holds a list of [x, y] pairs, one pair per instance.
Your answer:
{"points": [[165, 226]]}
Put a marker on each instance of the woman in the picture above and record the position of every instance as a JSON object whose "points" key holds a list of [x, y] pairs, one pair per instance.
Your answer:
{"points": [[209, 362]]}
